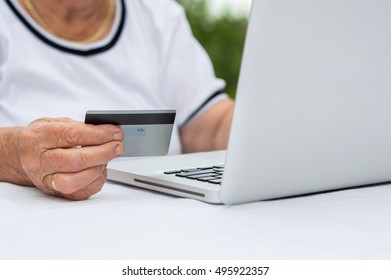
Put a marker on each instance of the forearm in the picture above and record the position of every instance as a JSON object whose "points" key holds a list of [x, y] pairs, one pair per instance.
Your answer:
{"points": [[224, 127], [211, 130], [10, 167]]}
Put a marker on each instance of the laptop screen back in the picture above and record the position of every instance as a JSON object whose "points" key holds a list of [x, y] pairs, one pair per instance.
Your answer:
{"points": [[312, 110]]}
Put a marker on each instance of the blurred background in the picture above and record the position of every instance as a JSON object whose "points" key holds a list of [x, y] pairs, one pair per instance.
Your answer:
{"points": [[220, 26]]}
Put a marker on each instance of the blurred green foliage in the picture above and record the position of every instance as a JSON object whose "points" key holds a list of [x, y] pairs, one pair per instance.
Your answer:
{"points": [[222, 37]]}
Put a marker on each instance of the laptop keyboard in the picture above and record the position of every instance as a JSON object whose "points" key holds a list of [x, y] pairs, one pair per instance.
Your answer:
{"points": [[209, 174]]}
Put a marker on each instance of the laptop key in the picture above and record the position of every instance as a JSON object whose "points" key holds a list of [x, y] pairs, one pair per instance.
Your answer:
{"points": [[185, 174], [172, 172], [205, 168], [196, 176], [206, 179], [215, 181], [190, 170]]}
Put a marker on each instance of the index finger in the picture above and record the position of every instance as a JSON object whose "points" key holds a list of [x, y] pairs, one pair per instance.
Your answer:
{"points": [[71, 134]]}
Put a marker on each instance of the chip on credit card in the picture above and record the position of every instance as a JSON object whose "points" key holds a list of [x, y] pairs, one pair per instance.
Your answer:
{"points": [[146, 132]]}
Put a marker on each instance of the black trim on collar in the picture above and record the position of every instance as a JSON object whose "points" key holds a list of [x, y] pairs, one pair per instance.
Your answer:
{"points": [[200, 108], [89, 52]]}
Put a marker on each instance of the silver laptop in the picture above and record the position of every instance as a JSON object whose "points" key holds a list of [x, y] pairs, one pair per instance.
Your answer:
{"points": [[313, 109]]}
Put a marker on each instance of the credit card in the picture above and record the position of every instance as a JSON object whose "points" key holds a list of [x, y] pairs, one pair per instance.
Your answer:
{"points": [[146, 133]]}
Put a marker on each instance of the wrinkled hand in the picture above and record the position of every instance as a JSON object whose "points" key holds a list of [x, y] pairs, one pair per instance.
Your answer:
{"points": [[66, 158]]}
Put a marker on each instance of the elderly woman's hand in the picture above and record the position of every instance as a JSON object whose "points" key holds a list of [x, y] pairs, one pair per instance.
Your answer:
{"points": [[66, 158]]}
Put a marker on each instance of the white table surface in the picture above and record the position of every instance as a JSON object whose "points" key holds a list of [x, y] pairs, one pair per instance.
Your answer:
{"points": [[127, 223]]}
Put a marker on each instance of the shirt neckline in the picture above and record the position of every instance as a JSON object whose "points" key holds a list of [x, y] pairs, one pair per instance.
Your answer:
{"points": [[70, 47]]}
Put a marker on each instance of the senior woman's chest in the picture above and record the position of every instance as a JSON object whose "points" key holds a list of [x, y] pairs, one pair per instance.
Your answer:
{"points": [[123, 77], [130, 65]]}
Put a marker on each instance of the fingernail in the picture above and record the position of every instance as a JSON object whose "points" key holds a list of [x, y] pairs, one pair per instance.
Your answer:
{"points": [[117, 136], [120, 150]]}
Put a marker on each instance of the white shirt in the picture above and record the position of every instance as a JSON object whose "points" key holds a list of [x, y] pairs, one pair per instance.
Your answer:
{"points": [[150, 60]]}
